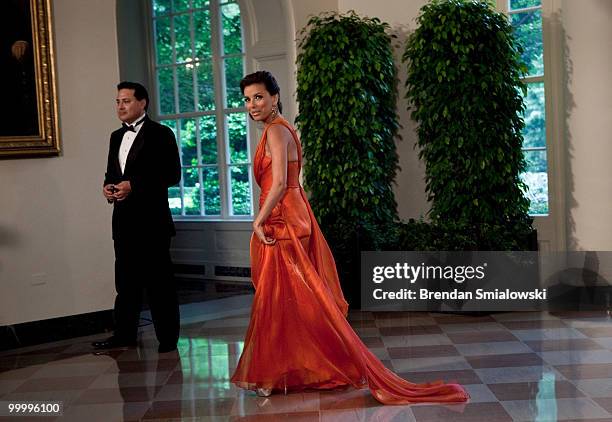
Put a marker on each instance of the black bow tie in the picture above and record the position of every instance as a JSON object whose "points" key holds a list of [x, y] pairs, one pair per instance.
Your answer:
{"points": [[132, 128]]}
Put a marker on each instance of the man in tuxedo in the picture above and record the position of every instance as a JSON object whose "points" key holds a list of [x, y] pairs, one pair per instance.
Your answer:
{"points": [[143, 162]]}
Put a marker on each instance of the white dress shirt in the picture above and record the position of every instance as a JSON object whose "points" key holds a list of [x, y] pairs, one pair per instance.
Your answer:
{"points": [[127, 141]]}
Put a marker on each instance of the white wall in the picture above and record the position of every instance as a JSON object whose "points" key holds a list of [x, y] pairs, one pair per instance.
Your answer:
{"points": [[588, 102], [56, 255]]}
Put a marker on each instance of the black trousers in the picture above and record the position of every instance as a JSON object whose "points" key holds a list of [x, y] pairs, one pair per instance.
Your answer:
{"points": [[142, 264]]}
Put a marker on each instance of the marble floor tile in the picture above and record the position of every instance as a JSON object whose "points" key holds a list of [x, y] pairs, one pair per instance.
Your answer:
{"points": [[80, 357], [265, 417], [197, 391], [444, 363], [19, 373], [596, 332], [504, 361], [512, 364], [8, 386], [360, 314], [422, 351], [64, 396], [227, 322], [524, 316], [518, 374], [410, 330], [250, 404], [364, 323], [548, 334], [495, 348], [601, 387], [472, 412], [571, 357], [10, 362], [580, 314], [380, 413], [372, 342], [74, 370], [416, 340], [136, 379], [105, 412], [399, 314], [40, 350], [605, 402], [481, 337], [143, 366], [471, 327], [55, 383], [461, 319], [458, 376], [563, 344], [404, 322], [589, 322], [192, 408], [367, 331], [547, 388], [604, 342], [554, 409], [221, 331], [585, 371], [480, 393], [533, 325], [117, 395], [380, 352], [349, 399]]}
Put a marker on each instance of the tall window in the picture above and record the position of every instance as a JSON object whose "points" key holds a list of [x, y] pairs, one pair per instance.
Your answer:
{"points": [[199, 61], [526, 18]]}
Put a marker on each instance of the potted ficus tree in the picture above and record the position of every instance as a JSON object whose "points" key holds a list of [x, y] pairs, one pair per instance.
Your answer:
{"points": [[347, 91], [465, 92]]}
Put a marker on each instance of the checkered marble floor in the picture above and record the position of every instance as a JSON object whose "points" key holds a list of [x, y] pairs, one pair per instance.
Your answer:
{"points": [[516, 367]]}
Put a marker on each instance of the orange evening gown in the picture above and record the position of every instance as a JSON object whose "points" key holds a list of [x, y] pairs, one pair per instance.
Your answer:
{"points": [[298, 336]]}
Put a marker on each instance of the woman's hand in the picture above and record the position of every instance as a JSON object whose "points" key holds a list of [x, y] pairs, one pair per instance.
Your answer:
{"points": [[259, 232]]}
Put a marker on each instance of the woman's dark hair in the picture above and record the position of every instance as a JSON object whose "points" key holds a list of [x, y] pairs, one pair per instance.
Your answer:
{"points": [[140, 92], [266, 78]]}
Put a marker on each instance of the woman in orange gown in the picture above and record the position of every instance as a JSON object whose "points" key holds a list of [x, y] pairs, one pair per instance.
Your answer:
{"points": [[298, 336]]}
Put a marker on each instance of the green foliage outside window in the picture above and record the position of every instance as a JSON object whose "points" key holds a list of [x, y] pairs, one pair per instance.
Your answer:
{"points": [[241, 192], [528, 32], [184, 58]]}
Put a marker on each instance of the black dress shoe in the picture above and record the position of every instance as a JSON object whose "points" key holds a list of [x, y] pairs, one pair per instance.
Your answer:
{"points": [[112, 343], [165, 348]]}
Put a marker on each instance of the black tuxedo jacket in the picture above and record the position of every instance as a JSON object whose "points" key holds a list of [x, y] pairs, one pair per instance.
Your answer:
{"points": [[152, 166]]}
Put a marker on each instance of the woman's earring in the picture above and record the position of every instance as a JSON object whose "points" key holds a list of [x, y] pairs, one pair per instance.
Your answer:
{"points": [[274, 111]]}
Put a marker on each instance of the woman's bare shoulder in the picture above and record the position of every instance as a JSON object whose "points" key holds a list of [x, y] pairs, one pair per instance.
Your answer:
{"points": [[279, 133]]}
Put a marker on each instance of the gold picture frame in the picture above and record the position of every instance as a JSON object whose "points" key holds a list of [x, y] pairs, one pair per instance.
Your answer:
{"points": [[29, 124]]}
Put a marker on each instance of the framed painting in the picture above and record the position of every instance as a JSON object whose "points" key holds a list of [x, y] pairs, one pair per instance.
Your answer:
{"points": [[28, 111]]}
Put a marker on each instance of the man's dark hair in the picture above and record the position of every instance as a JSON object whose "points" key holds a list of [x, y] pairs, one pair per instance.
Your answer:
{"points": [[140, 92], [266, 78]]}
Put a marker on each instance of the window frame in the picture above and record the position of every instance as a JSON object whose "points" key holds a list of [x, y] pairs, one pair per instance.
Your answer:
{"points": [[220, 111], [552, 227], [504, 7]]}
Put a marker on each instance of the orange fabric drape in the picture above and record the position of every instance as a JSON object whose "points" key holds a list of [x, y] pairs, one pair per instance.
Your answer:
{"points": [[298, 337]]}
